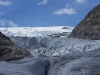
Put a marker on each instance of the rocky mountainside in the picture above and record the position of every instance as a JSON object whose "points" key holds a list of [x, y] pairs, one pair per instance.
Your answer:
{"points": [[89, 27], [9, 51]]}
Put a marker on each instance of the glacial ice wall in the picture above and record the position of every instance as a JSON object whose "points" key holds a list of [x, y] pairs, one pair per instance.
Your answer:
{"points": [[55, 46], [49, 41]]}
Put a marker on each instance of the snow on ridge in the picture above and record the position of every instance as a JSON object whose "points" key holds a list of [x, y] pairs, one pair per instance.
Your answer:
{"points": [[35, 31]]}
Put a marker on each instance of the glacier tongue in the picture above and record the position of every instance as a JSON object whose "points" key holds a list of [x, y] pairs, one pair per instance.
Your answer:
{"points": [[82, 57], [49, 41], [52, 46]]}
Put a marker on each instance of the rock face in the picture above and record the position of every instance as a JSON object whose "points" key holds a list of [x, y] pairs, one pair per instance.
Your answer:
{"points": [[9, 51], [89, 27]]}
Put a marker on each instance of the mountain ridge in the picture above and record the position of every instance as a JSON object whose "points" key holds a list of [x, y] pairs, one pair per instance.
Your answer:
{"points": [[89, 27]]}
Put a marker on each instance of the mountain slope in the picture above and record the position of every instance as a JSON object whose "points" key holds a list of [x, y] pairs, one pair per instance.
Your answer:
{"points": [[89, 27], [9, 51]]}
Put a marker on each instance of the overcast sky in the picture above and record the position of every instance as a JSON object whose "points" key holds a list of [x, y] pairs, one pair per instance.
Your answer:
{"points": [[32, 13]]}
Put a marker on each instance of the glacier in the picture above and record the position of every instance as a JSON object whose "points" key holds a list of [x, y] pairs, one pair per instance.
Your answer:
{"points": [[54, 53], [87, 63], [49, 41], [34, 31]]}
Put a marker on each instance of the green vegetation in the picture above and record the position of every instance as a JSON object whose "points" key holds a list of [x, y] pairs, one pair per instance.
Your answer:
{"points": [[97, 23]]}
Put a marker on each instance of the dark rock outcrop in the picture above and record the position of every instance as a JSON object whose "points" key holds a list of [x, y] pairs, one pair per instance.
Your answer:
{"points": [[9, 51], [89, 27]]}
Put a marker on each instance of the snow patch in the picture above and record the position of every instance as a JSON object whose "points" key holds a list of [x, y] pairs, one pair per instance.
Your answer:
{"points": [[34, 31]]}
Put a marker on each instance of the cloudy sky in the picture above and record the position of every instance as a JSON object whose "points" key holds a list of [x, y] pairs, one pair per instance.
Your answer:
{"points": [[33, 13]]}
